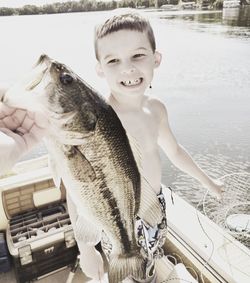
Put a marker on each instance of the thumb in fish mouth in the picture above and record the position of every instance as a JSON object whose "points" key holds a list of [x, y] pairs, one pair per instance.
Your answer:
{"points": [[27, 91]]}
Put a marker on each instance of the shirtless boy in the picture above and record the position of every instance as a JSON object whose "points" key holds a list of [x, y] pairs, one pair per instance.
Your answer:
{"points": [[127, 57], [126, 54]]}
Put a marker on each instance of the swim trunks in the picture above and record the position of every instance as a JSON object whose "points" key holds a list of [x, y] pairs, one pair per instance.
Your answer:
{"points": [[149, 239]]}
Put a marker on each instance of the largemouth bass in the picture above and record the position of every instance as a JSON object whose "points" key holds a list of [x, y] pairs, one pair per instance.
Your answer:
{"points": [[95, 159]]}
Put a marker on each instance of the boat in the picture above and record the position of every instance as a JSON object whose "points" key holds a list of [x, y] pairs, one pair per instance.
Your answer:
{"points": [[169, 7], [187, 5], [205, 5], [231, 4], [210, 249], [195, 245]]}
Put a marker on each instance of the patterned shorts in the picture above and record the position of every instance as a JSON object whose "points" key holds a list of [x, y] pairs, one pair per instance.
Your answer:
{"points": [[149, 239]]}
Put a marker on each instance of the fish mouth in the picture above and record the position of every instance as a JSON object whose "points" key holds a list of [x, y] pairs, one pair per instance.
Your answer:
{"points": [[30, 89], [38, 72], [132, 83], [37, 80]]}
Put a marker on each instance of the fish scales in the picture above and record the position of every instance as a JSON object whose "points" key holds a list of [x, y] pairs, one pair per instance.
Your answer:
{"points": [[114, 194], [114, 166]]}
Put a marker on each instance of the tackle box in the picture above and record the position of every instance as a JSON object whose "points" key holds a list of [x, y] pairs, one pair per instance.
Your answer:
{"points": [[39, 233]]}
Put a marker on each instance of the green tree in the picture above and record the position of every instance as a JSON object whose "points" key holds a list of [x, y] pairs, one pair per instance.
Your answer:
{"points": [[4, 11], [29, 10]]}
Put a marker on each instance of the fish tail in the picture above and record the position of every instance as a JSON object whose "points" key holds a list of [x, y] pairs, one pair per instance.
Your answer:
{"points": [[122, 266]]}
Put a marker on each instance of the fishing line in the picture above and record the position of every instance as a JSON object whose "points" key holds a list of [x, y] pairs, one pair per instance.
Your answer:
{"points": [[203, 205], [234, 215], [204, 265]]}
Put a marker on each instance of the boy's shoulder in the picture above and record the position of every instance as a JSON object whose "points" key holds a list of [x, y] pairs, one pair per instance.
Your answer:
{"points": [[157, 108], [155, 104]]}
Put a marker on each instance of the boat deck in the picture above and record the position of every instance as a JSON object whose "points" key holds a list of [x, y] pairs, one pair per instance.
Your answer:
{"points": [[193, 239]]}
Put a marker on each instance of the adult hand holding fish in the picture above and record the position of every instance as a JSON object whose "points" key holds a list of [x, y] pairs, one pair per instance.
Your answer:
{"points": [[20, 130]]}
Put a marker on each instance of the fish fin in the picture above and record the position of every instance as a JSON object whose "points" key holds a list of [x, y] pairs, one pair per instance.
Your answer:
{"points": [[86, 231], [87, 172], [71, 137], [135, 149], [66, 136], [150, 209], [122, 266], [55, 175], [163, 268]]}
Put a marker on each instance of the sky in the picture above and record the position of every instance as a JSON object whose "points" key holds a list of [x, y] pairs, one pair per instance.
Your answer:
{"points": [[20, 3]]}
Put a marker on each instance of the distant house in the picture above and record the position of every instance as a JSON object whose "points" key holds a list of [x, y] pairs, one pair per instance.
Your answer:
{"points": [[187, 4], [170, 7], [231, 3]]}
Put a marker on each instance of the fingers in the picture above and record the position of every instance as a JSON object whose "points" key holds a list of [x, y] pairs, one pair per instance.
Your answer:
{"points": [[5, 110], [22, 129], [30, 129], [11, 118], [12, 142], [27, 123], [24, 140], [14, 136], [34, 136], [219, 193], [6, 138]]}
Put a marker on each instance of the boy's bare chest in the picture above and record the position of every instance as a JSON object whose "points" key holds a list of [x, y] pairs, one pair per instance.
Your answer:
{"points": [[142, 126]]}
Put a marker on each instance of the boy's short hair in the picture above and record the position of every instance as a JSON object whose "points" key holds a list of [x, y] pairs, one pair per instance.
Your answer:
{"points": [[126, 21]]}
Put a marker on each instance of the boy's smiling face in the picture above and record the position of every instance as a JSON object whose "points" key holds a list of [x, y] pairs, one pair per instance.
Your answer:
{"points": [[127, 61]]}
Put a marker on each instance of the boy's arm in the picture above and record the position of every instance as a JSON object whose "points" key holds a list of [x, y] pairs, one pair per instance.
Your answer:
{"points": [[180, 157]]}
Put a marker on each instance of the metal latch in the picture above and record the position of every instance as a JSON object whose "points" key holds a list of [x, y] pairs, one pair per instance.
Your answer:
{"points": [[25, 255], [69, 238]]}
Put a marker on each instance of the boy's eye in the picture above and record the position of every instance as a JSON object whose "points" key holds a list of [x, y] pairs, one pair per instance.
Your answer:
{"points": [[139, 55], [112, 61]]}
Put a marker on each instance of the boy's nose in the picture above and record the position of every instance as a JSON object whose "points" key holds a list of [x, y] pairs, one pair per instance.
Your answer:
{"points": [[128, 69]]}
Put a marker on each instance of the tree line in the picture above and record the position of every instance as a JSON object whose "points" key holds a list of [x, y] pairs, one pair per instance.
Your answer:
{"points": [[79, 6]]}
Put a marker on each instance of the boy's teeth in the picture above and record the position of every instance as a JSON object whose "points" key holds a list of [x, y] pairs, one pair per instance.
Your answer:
{"points": [[132, 82]]}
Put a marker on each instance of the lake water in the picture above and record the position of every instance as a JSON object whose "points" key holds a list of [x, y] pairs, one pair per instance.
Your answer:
{"points": [[204, 79]]}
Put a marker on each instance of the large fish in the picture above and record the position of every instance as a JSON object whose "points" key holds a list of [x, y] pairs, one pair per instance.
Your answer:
{"points": [[95, 159]]}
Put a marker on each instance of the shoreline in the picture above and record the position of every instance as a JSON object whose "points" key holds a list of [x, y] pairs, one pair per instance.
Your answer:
{"points": [[178, 11]]}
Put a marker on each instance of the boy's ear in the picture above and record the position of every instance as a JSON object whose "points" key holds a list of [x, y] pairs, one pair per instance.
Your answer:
{"points": [[99, 70], [158, 57]]}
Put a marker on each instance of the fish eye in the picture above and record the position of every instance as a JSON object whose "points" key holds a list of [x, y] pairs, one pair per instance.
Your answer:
{"points": [[66, 79]]}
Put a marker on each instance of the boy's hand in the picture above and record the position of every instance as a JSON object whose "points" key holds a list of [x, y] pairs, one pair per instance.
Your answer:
{"points": [[216, 188], [20, 130]]}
